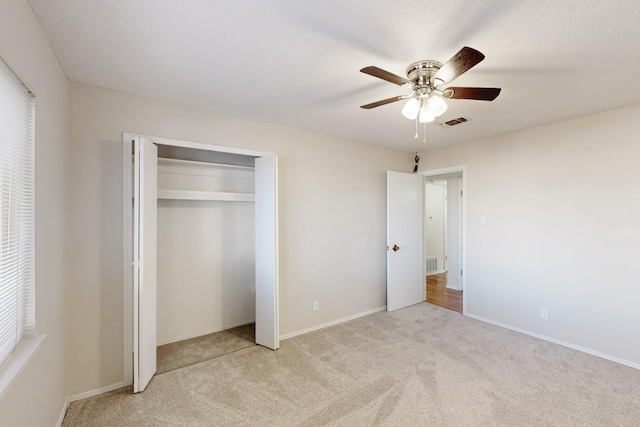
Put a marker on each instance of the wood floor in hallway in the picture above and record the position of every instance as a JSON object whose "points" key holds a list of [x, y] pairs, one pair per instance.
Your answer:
{"points": [[439, 294]]}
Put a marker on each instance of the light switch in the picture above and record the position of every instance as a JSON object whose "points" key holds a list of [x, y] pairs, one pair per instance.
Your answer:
{"points": [[483, 220]]}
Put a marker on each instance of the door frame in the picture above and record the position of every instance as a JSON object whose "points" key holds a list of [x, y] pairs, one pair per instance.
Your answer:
{"points": [[463, 223], [127, 225]]}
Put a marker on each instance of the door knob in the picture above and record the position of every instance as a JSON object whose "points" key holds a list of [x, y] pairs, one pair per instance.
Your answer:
{"points": [[395, 248]]}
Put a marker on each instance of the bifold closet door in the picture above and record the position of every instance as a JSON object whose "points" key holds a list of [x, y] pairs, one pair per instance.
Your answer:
{"points": [[145, 208], [266, 216]]}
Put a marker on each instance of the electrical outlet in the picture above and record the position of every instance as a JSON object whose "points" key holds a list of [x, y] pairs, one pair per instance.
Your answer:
{"points": [[544, 313], [315, 306]]}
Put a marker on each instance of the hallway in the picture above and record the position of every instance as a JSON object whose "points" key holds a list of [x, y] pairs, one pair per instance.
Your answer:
{"points": [[439, 294]]}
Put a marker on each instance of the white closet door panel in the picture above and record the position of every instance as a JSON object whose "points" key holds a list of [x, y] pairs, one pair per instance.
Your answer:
{"points": [[145, 248], [266, 217]]}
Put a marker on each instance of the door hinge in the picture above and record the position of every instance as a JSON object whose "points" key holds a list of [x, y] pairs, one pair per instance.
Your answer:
{"points": [[461, 192], [461, 272]]}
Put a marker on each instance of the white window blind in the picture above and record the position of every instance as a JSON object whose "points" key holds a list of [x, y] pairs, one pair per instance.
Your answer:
{"points": [[17, 115]]}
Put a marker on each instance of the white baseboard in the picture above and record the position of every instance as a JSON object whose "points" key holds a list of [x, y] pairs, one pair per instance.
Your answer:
{"points": [[436, 272], [207, 332], [452, 288], [334, 322], [63, 412], [556, 341], [97, 391]]}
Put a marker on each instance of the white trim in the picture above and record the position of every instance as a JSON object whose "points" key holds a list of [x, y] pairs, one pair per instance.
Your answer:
{"points": [[556, 341], [436, 272], [444, 171], [97, 391], [17, 360], [198, 145], [63, 413], [332, 323], [207, 332]]}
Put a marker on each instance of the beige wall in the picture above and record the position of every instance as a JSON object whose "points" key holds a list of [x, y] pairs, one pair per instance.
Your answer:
{"points": [[37, 396], [563, 205], [332, 218]]}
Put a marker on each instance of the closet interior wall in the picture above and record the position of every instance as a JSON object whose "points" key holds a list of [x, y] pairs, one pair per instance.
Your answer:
{"points": [[206, 242]]}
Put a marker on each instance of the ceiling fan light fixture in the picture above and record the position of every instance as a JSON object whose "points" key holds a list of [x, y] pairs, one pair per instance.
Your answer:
{"points": [[425, 115], [411, 109], [437, 105]]}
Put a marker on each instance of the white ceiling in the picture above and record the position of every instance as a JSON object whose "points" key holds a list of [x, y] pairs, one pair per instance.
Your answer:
{"points": [[297, 62]]}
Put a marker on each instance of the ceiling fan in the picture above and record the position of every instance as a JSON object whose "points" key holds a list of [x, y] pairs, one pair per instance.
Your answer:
{"points": [[425, 79]]}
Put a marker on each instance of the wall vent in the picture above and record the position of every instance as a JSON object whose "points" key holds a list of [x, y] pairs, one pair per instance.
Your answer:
{"points": [[454, 122], [432, 264]]}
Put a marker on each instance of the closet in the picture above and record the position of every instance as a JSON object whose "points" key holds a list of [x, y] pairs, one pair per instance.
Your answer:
{"points": [[204, 244], [205, 256]]}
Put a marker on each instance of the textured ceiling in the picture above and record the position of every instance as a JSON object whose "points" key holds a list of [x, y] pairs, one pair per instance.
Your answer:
{"points": [[297, 63]]}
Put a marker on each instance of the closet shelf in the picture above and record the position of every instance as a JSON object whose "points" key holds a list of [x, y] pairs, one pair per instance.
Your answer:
{"points": [[205, 195]]}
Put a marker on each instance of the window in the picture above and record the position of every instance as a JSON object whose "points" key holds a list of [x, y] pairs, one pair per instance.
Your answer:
{"points": [[17, 320]]}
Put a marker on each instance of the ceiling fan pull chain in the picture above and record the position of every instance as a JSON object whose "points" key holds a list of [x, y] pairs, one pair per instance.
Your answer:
{"points": [[424, 133], [416, 135]]}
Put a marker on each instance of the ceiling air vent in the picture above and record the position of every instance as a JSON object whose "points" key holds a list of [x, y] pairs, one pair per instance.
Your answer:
{"points": [[454, 122]]}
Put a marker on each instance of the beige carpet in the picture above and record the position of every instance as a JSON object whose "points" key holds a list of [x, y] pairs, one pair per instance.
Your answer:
{"points": [[195, 350], [419, 366]]}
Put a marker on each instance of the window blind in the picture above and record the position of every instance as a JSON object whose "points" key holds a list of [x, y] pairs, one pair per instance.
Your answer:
{"points": [[17, 116]]}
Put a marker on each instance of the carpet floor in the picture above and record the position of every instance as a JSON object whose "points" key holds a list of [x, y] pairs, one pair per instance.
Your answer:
{"points": [[195, 350], [419, 366]]}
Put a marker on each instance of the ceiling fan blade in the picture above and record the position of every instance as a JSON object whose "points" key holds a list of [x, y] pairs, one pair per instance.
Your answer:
{"points": [[461, 62], [385, 75], [479, 93], [383, 102]]}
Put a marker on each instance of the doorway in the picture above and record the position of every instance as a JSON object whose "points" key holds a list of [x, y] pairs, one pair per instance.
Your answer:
{"points": [[444, 238], [192, 163]]}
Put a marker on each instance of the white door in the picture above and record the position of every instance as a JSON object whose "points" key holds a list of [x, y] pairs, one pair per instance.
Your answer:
{"points": [[405, 246], [266, 217], [144, 255]]}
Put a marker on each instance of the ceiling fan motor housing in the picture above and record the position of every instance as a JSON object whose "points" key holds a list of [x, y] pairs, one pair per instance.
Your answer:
{"points": [[421, 74]]}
